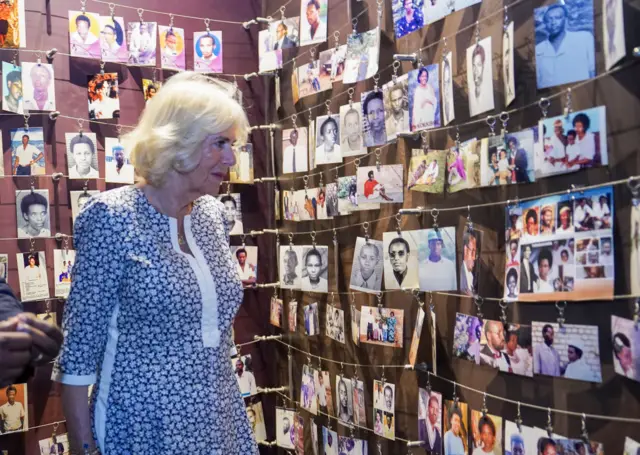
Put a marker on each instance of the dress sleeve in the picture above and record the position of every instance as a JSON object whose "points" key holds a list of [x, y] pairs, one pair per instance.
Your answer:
{"points": [[94, 294]]}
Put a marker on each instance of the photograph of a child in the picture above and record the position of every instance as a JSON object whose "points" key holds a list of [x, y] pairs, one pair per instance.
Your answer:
{"points": [[327, 147], [172, 47], [366, 271]]}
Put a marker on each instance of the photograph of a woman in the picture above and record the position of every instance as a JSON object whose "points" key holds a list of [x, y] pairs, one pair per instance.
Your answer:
{"points": [[103, 96], [424, 96]]}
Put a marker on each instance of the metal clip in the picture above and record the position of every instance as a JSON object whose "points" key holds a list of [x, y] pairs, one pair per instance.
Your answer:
{"points": [[171, 17], [378, 153], [568, 108], [549, 424], [398, 222], [434, 214], [365, 226], [396, 66], [140, 12], [379, 297], [479, 301], [112, 11], [328, 104], [491, 121], [544, 104], [584, 434], [519, 419], [354, 24], [503, 307], [504, 119], [207, 21], [313, 238], [376, 78], [561, 309], [636, 313], [484, 404]]}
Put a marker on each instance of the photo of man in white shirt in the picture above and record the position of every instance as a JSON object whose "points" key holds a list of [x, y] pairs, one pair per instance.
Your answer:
{"points": [[246, 379], [12, 413], [437, 271]]}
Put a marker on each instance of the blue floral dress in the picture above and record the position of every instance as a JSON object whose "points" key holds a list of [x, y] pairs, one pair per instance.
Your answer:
{"points": [[151, 327]]}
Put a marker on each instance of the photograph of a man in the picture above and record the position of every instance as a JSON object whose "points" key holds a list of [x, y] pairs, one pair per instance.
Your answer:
{"points": [[291, 267], [12, 413], [366, 272], [313, 23], [437, 270], [12, 77], [33, 213], [401, 260], [232, 213], [480, 77], [470, 262], [38, 88], [244, 375]]}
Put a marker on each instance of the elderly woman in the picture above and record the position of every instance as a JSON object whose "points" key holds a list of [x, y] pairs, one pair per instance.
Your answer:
{"points": [[155, 291]]}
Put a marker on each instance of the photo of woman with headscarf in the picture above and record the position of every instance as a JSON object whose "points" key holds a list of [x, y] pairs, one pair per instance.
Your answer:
{"points": [[113, 42]]}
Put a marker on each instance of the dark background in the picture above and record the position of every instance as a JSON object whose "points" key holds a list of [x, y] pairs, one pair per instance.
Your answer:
{"points": [[616, 396]]}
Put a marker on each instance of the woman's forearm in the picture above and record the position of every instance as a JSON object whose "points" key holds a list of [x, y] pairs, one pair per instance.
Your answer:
{"points": [[75, 405]]}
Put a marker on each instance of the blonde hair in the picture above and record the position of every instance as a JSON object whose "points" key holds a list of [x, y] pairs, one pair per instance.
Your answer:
{"points": [[176, 122]]}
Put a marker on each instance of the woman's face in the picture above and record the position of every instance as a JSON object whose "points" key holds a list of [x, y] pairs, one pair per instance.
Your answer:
{"points": [[216, 158], [455, 424], [82, 156], [424, 77], [343, 395], [579, 127], [330, 134], [313, 267], [512, 284], [625, 358], [106, 88]]}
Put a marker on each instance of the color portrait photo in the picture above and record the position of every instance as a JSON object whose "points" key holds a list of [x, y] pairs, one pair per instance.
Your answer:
{"points": [[207, 52], [480, 77], [150, 88], [27, 151], [456, 428], [284, 33], [141, 38], [32, 212], [246, 259], [463, 165], [14, 411], [520, 440], [571, 351], [244, 375], [437, 259], [104, 101], [275, 312], [118, 166], [400, 260], [427, 170], [573, 142], [172, 47], [486, 434], [625, 339], [242, 170], [380, 184], [313, 21], [113, 39], [32, 272], [38, 87], [407, 16], [308, 396], [84, 34], [564, 43], [63, 261], [12, 99], [430, 420], [384, 408], [424, 97], [82, 155], [382, 326]]}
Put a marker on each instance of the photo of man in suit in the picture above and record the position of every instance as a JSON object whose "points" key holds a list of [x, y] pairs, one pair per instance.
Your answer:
{"points": [[527, 273], [428, 430], [491, 353], [282, 41], [469, 268]]}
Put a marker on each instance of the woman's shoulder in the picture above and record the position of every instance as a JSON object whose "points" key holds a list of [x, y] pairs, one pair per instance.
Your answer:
{"points": [[210, 205], [112, 204]]}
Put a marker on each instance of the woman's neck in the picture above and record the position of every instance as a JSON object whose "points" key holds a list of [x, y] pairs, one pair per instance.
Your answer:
{"points": [[168, 201]]}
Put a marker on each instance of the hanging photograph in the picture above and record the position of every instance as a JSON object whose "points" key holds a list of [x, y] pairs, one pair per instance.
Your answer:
{"points": [[329, 441], [334, 323], [350, 445], [27, 151], [486, 433], [355, 325], [256, 420], [314, 437], [508, 65], [366, 271], [12, 101], [570, 352], [4, 266], [359, 409], [150, 88], [496, 167], [456, 428], [323, 391], [244, 375], [500, 350], [322, 205], [311, 319], [352, 142], [309, 79], [113, 40], [291, 266], [572, 142], [467, 336], [520, 147], [556, 262], [311, 144], [315, 270], [118, 166], [400, 260], [344, 400], [437, 259], [424, 97], [332, 64], [415, 339], [294, 146], [232, 213], [384, 409], [275, 313], [313, 21], [56, 445], [308, 395], [434, 10], [480, 77], [613, 32], [268, 59], [32, 273], [288, 205], [407, 16], [381, 184], [284, 33], [82, 155], [246, 259], [172, 48], [631, 447], [373, 124], [470, 267], [84, 34], [427, 170], [565, 50], [38, 87], [32, 212], [363, 51], [14, 410], [396, 106], [285, 433], [104, 101], [242, 171], [382, 326], [304, 205], [207, 52], [625, 340], [298, 440], [293, 316], [141, 38], [63, 261], [78, 201], [448, 111], [463, 165], [634, 242], [430, 420], [327, 148], [520, 440]]}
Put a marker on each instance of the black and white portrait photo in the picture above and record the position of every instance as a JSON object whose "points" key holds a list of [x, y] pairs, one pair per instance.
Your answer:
{"points": [[351, 141], [294, 150], [344, 399], [564, 43], [373, 124], [366, 271], [32, 211], [396, 106], [328, 140], [480, 77], [79, 200], [232, 213], [400, 260], [4, 266], [82, 155], [315, 269], [311, 319], [469, 269], [32, 272], [448, 111], [612, 32], [256, 420], [508, 72], [284, 428], [335, 323], [291, 266]]}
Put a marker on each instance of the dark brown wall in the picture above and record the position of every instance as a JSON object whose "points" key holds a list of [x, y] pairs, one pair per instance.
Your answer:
{"points": [[46, 28], [616, 395]]}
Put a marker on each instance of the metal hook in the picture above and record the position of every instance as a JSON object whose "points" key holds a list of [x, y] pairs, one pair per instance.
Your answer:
{"points": [[544, 104], [434, 213], [561, 308], [491, 121], [549, 424], [519, 419]]}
